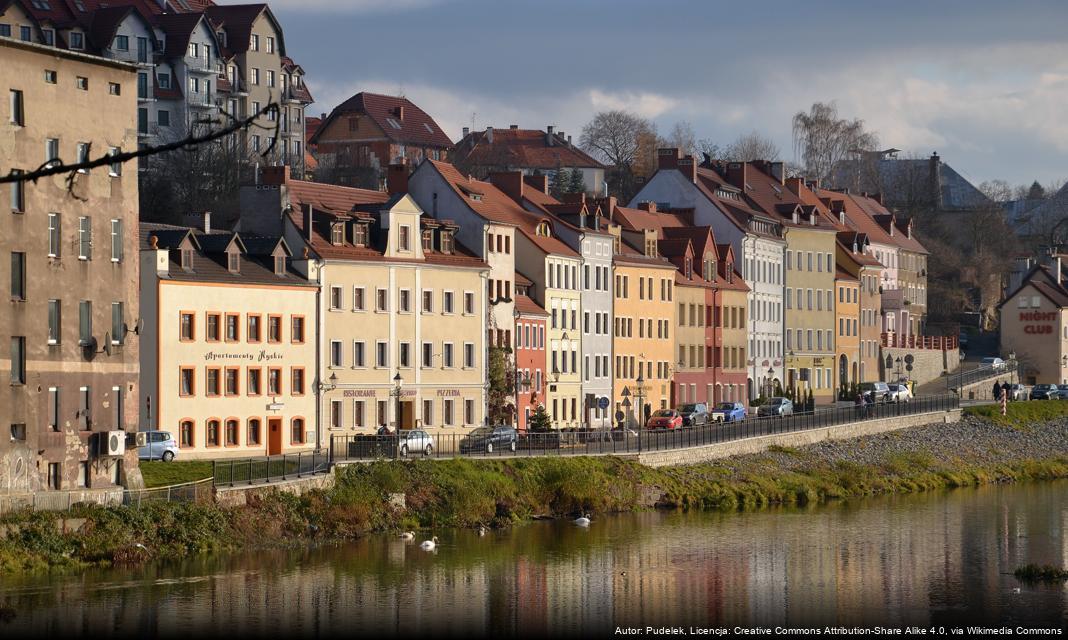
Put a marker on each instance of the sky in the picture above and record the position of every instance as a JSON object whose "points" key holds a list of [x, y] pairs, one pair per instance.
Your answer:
{"points": [[982, 82]]}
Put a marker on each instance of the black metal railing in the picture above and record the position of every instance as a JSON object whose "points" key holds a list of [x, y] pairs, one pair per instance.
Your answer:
{"points": [[289, 466], [961, 379], [620, 441]]}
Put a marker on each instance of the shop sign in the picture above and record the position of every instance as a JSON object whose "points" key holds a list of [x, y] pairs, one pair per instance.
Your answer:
{"points": [[1034, 317], [248, 356]]}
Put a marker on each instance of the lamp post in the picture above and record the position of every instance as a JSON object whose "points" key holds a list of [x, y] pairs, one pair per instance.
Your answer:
{"points": [[771, 381], [639, 391], [898, 362], [521, 386], [320, 387], [625, 403], [1012, 367], [398, 384]]}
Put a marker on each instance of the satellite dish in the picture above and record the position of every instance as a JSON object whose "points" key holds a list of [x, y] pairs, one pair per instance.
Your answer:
{"points": [[107, 342]]}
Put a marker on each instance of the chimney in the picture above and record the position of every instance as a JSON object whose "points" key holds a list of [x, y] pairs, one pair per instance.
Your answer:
{"points": [[777, 170], [489, 135], [275, 175], [936, 180], [510, 182], [541, 183], [207, 222], [513, 127], [794, 185], [738, 174], [667, 158], [688, 167], [574, 198], [309, 222], [397, 178], [878, 197], [400, 112], [467, 132], [648, 205], [569, 142], [322, 116], [549, 139]]}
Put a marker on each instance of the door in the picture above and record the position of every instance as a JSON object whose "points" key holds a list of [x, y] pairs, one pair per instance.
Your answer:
{"points": [[407, 416], [274, 436]]}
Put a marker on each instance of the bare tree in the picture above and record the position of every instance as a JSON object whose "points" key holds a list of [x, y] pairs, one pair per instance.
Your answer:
{"points": [[822, 138], [997, 190], [626, 143], [709, 149], [751, 146], [682, 137]]}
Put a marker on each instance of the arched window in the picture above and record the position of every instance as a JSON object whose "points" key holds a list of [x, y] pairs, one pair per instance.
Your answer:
{"points": [[231, 432], [211, 436], [543, 229], [253, 438], [185, 433], [297, 436]]}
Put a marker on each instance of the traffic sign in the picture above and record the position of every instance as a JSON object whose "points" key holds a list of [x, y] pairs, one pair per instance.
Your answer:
{"points": [[602, 402]]}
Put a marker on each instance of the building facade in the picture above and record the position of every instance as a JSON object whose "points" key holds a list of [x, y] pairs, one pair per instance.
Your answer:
{"points": [[1034, 323], [530, 355], [71, 256], [847, 329], [228, 354]]}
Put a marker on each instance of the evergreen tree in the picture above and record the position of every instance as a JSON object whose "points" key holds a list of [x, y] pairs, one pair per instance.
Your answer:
{"points": [[1036, 192], [539, 420], [578, 182], [560, 183], [502, 385]]}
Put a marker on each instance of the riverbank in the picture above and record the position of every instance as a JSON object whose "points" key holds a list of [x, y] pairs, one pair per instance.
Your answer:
{"points": [[464, 493]]}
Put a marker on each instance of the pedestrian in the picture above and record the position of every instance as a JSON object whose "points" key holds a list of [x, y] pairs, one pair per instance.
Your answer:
{"points": [[858, 402], [997, 390]]}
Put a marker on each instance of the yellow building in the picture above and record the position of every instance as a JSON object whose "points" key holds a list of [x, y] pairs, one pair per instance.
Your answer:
{"points": [[847, 328], [644, 324], [228, 343], [851, 254]]}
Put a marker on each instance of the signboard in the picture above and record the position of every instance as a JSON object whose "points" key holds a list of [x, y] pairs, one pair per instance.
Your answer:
{"points": [[248, 356], [276, 406], [1035, 317], [602, 402]]}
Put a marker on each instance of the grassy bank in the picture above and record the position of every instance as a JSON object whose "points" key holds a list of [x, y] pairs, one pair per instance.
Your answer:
{"points": [[1021, 414], [462, 493]]}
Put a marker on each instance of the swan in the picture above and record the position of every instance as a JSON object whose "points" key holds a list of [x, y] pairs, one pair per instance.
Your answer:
{"points": [[481, 530], [428, 545], [407, 535], [583, 521]]}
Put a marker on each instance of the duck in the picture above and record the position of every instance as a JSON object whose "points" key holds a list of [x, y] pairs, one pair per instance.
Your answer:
{"points": [[407, 535], [429, 545], [583, 521], [481, 530]]}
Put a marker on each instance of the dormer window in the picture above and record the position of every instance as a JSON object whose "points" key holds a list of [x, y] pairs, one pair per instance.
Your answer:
{"points": [[233, 261], [710, 272], [360, 234], [337, 234], [689, 267], [187, 259], [279, 265], [428, 240], [446, 241], [543, 229], [650, 247], [404, 242], [730, 272]]}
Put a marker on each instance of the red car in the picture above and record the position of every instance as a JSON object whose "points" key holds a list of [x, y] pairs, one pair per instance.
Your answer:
{"points": [[665, 419]]}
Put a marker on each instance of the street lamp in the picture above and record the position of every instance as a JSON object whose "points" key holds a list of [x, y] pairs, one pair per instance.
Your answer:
{"points": [[320, 387], [639, 390], [771, 381], [398, 383], [1012, 367], [898, 361]]}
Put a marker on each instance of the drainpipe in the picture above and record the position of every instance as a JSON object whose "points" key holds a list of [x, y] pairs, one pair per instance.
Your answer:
{"points": [[320, 322]]}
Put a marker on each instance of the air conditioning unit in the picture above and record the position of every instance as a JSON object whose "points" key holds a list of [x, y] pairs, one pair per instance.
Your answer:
{"points": [[112, 444], [140, 439]]}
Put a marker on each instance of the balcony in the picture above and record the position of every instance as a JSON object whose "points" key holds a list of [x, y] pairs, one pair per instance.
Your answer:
{"points": [[912, 341], [200, 100], [202, 67]]}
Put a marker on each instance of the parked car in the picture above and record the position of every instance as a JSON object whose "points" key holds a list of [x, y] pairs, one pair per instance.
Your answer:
{"points": [[899, 392], [1044, 392], [1062, 392], [694, 414], [489, 438], [996, 364], [729, 412], [776, 407], [159, 445], [876, 392], [415, 440], [1017, 392], [665, 419]]}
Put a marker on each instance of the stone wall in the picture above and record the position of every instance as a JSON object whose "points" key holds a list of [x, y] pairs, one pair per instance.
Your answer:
{"points": [[239, 496], [796, 439], [927, 364]]}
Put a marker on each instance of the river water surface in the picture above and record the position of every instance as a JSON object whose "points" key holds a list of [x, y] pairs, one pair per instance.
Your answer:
{"points": [[930, 559]]}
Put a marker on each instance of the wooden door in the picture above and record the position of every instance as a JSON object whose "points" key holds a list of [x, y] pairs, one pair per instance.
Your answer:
{"points": [[407, 416], [274, 436]]}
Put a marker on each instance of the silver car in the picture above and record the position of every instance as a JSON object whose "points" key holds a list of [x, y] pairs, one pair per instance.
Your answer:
{"points": [[159, 445], [776, 407], [415, 440]]}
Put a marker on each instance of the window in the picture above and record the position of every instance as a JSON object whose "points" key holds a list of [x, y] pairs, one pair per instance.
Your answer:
{"points": [[253, 437], [336, 358], [253, 332], [53, 475], [18, 275], [428, 301], [51, 151], [18, 193], [296, 332], [230, 381], [446, 355], [186, 381], [381, 300], [405, 354], [211, 433], [270, 44], [469, 355], [118, 323], [335, 298], [254, 388], [233, 333], [254, 77], [358, 303], [85, 238], [335, 414], [270, 78], [382, 354], [274, 381], [405, 301], [18, 360], [212, 324], [49, 75], [55, 320], [296, 381], [18, 114], [404, 238], [469, 412], [18, 432], [211, 381], [254, 42], [85, 322], [446, 302], [25, 34], [274, 328], [469, 303], [115, 168], [116, 240], [447, 412], [428, 413], [358, 354], [76, 40], [122, 43], [297, 436], [358, 413]]}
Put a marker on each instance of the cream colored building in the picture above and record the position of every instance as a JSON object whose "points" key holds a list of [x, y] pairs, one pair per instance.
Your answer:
{"points": [[228, 344], [1034, 324]]}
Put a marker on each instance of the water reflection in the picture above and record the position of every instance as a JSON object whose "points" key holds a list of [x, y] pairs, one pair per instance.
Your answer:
{"points": [[922, 560]]}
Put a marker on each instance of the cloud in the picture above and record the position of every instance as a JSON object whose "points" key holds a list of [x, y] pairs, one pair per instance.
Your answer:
{"points": [[648, 105], [353, 6]]}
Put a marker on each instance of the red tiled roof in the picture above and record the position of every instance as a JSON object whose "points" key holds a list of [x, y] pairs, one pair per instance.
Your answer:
{"points": [[311, 125], [526, 306], [496, 206], [238, 19], [416, 127], [640, 219], [523, 281], [178, 27], [521, 148], [842, 274], [856, 217], [737, 211], [333, 198]]}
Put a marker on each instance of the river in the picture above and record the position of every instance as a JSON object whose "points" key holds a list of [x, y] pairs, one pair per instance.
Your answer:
{"points": [[928, 559]]}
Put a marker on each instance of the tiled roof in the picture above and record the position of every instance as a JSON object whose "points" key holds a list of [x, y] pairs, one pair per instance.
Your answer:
{"points": [[495, 206], [523, 281], [526, 306], [737, 210], [238, 19], [311, 126], [856, 216], [1043, 278], [842, 274], [639, 219], [333, 198], [178, 27], [521, 148], [416, 127]]}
